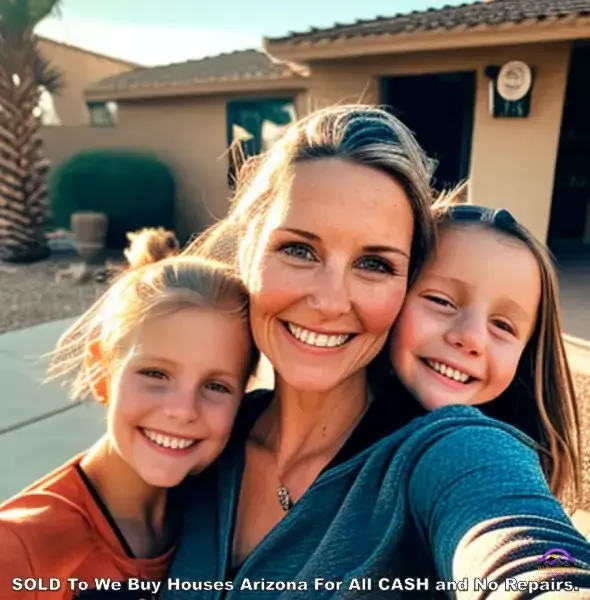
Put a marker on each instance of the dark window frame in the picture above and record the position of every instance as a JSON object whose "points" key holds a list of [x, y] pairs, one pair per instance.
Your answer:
{"points": [[110, 122], [237, 111]]}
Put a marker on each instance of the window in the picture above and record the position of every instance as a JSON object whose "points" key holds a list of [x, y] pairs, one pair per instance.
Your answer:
{"points": [[256, 125], [102, 113], [45, 111]]}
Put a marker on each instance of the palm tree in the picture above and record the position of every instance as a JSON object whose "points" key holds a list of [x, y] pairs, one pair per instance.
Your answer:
{"points": [[23, 193]]}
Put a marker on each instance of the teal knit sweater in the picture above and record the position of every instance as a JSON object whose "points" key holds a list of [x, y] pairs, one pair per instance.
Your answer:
{"points": [[452, 500]]}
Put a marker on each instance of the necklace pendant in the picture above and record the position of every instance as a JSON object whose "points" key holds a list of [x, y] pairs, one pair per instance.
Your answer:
{"points": [[284, 498]]}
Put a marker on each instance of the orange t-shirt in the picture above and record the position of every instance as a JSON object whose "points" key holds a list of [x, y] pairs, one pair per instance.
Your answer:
{"points": [[55, 530]]}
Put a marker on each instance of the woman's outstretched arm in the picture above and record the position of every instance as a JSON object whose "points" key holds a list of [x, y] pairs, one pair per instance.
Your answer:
{"points": [[481, 502]]}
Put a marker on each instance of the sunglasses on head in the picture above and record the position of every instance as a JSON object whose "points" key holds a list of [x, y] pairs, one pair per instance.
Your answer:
{"points": [[474, 213]]}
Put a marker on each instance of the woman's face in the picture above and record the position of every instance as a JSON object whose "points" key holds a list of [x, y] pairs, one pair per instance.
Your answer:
{"points": [[172, 403], [467, 319], [331, 272]]}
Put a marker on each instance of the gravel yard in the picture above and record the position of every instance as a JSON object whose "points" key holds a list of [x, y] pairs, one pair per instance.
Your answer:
{"points": [[31, 294], [35, 294], [582, 383]]}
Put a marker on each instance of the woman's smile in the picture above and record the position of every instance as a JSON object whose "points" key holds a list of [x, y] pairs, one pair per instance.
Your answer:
{"points": [[313, 343], [318, 339]]}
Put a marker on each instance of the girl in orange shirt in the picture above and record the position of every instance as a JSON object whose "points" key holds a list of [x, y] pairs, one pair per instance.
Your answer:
{"points": [[168, 351]]}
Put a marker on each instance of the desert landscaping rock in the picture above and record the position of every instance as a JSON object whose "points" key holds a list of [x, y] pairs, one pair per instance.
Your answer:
{"points": [[35, 294]]}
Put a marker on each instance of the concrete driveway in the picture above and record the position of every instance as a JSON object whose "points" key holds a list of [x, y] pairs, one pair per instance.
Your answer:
{"points": [[39, 427]]}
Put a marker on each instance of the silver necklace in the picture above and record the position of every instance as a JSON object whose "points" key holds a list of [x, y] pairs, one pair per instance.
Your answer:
{"points": [[283, 494]]}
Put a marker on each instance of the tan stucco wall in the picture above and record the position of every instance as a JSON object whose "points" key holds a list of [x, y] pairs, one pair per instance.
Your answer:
{"points": [[79, 69], [512, 160], [189, 134]]}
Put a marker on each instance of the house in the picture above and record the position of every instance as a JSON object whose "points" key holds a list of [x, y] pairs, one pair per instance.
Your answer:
{"points": [[189, 113], [496, 91], [79, 68]]}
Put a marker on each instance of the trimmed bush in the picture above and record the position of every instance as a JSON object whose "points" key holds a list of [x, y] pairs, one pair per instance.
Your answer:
{"points": [[133, 189]]}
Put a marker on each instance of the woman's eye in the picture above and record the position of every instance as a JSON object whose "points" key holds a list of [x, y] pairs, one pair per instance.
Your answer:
{"points": [[153, 374], [218, 388], [375, 264], [439, 300], [298, 250]]}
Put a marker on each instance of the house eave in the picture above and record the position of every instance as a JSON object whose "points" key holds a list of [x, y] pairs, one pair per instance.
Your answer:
{"points": [[526, 32], [201, 88]]}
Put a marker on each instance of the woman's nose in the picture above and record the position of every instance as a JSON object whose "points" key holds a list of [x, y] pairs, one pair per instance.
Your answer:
{"points": [[330, 294], [468, 335]]}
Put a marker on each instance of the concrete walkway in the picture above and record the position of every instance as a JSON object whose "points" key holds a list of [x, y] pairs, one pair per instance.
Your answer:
{"points": [[30, 448]]}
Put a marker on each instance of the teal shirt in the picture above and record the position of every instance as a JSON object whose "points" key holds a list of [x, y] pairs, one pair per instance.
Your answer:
{"points": [[451, 495]]}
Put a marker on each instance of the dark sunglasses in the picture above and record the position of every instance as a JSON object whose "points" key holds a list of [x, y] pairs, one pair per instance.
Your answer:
{"points": [[474, 213]]}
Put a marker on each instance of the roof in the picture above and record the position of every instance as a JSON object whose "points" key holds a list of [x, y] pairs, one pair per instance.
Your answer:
{"points": [[127, 63], [235, 66], [471, 15]]}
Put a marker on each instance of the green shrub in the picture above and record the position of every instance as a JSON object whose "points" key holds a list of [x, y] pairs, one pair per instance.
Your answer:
{"points": [[134, 189]]}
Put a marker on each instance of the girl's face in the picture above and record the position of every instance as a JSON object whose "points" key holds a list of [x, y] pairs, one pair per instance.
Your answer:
{"points": [[173, 402], [331, 273], [467, 319]]}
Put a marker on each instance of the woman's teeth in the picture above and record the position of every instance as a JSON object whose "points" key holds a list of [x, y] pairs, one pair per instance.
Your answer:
{"points": [[320, 340], [167, 441], [449, 371]]}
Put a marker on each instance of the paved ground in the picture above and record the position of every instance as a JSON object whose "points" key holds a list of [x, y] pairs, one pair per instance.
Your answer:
{"points": [[574, 286], [30, 451]]}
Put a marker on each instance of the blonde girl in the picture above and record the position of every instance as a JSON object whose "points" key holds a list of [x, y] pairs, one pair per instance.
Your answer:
{"points": [[168, 351]]}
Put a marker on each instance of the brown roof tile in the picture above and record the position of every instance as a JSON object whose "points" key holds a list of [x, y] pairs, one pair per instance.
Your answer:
{"points": [[239, 65], [494, 12]]}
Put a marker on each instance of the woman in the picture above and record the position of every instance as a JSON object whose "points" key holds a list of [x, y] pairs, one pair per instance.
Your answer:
{"points": [[322, 486]]}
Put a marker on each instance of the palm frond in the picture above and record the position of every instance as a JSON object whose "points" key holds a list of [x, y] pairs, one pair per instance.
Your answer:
{"points": [[40, 9], [47, 75], [19, 16]]}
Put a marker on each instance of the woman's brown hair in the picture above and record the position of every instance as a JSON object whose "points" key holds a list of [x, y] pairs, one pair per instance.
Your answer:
{"points": [[363, 134]]}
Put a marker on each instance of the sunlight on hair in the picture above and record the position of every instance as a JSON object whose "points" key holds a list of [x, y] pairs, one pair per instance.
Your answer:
{"points": [[363, 134], [138, 295]]}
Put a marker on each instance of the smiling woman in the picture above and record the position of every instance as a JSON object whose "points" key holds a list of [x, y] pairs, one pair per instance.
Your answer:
{"points": [[325, 288], [328, 285], [324, 477]]}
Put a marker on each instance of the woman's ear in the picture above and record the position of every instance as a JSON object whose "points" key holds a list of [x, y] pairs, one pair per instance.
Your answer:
{"points": [[96, 372]]}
